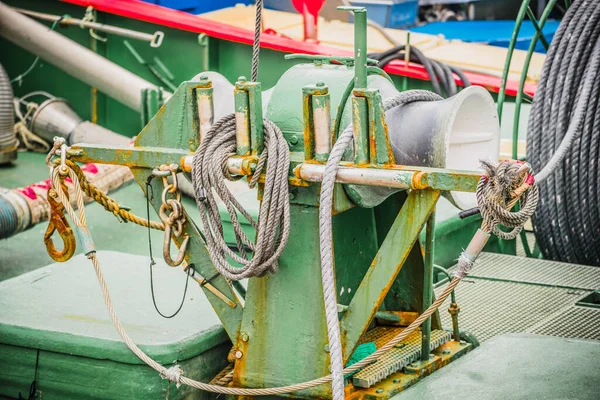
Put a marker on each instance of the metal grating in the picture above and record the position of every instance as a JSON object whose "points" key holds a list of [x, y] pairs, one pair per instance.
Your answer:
{"points": [[405, 353], [542, 272], [508, 294], [490, 308], [572, 322]]}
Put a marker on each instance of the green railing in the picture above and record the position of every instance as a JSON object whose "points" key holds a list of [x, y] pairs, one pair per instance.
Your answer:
{"points": [[524, 12]]}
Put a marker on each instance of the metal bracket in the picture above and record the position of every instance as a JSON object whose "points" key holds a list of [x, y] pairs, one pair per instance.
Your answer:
{"points": [[248, 117], [316, 109], [206, 109]]}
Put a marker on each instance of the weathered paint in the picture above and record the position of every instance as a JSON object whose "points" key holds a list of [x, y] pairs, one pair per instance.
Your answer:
{"points": [[361, 130], [242, 122], [428, 284], [205, 105], [386, 265], [322, 126]]}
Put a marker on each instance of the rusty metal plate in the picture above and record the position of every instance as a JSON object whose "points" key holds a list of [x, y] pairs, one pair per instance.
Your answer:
{"points": [[405, 353]]}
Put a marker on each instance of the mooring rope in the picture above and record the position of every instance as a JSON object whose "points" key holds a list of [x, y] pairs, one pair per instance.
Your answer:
{"points": [[326, 237], [209, 173]]}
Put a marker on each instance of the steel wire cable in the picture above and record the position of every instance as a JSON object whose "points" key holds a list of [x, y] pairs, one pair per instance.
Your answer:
{"points": [[563, 137]]}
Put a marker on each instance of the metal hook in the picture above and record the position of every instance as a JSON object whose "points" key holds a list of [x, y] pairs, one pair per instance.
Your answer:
{"points": [[167, 248], [58, 222]]}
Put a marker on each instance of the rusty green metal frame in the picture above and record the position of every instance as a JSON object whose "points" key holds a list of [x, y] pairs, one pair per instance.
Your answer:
{"points": [[248, 102], [386, 265], [313, 96]]}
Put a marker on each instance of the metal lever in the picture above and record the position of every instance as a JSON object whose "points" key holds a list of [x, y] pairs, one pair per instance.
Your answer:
{"points": [[155, 39]]}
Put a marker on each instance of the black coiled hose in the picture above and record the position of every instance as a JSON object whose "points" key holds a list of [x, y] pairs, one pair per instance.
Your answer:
{"points": [[440, 74], [567, 221]]}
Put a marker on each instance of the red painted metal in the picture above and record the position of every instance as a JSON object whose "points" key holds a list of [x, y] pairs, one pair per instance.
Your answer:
{"points": [[180, 20], [309, 9]]}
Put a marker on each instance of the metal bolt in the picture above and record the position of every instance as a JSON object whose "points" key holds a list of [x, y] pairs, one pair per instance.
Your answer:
{"points": [[242, 79], [245, 337], [330, 369], [320, 84], [446, 351], [396, 380], [238, 354], [293, 139], [379, 391], [204, 78], [326, 348]]}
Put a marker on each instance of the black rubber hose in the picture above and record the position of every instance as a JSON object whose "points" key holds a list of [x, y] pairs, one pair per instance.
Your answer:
{"points": [[567, 221], [439, 74]]}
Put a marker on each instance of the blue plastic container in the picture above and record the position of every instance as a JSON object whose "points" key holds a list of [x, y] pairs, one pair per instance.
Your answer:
{"points": [[197, 6], [390, 13]]}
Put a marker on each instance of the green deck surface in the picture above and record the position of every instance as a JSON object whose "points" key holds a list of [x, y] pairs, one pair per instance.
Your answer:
{"points": [[515, 367], [59, 310]]}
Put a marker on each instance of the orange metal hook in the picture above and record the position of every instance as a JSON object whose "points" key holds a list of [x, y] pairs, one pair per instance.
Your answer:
{"points": [[58, 222]]}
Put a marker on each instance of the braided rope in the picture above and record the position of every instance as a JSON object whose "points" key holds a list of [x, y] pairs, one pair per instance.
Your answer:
{"points": [[107, 202], [496, 197], [326, 237], [256, 44], [224, 377], [273, 227]]}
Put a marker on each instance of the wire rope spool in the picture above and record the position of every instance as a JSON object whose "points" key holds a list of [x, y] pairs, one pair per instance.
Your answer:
{"points": [[567, 222]]}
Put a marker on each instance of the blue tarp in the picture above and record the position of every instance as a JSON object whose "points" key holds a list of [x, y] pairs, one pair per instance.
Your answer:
{"points": [[495, 33]]}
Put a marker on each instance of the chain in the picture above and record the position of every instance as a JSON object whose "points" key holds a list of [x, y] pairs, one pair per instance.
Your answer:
{"points": [[171, 214]]}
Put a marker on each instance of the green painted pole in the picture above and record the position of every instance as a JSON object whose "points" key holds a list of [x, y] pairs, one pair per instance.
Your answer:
{"points": [[428, 284], [360, 45], [511, 49], [519, 98]]}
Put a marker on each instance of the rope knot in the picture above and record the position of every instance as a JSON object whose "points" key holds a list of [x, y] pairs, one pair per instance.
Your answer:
{"points": [[173, 374], [499, 190]]}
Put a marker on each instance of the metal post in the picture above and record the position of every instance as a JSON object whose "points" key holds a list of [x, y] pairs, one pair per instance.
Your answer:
{"points": [[428, 284], [322, 123], [242, 120], [204, 101], [360, 45]]}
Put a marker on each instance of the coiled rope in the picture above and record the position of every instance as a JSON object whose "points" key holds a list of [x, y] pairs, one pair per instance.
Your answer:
{"points": [[563, 135], [209, 172]]}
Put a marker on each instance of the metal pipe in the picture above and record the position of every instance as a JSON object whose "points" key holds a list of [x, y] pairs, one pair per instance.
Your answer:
{"points": [[155, 39], [389, 178], [74, 59], [428, 285], [400, 178]]}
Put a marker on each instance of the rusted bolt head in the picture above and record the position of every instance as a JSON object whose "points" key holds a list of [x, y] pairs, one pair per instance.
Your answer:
{"points": [[446, 351], [245, 337], [238, 354], [396, 380], [379, 391]]}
